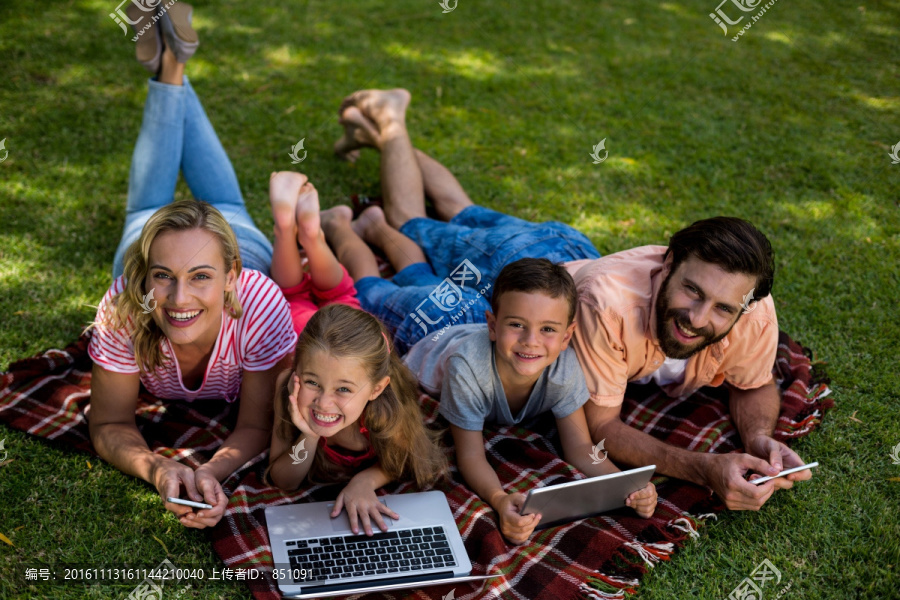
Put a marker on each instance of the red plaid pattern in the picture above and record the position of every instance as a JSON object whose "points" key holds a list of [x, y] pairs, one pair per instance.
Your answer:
{"points": [[602, 557]]}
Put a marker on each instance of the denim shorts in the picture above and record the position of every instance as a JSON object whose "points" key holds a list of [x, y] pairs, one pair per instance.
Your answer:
{"points": [[490, 240], [417, 303]]}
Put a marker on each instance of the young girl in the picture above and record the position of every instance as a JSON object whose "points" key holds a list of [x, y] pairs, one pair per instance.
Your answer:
{"points": [[295, 208], [348, 411]]}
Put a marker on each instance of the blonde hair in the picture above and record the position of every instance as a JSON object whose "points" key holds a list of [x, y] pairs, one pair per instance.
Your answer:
{"points": [[402, 443], [183, 215]]}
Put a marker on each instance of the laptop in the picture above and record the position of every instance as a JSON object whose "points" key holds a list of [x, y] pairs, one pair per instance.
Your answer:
{"points": [[566, 502], [317, 556]]}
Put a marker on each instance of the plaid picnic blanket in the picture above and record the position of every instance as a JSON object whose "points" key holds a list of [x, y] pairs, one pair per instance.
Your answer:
{"points": [[48, 396]]}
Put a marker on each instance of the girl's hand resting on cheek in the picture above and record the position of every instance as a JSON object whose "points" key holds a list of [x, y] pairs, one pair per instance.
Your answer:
{"points": [[643, 501], [297, 414], [362, 506]]}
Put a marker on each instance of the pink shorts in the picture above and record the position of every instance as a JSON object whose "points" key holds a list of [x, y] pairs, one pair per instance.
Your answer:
{"points": [[304, 299]]}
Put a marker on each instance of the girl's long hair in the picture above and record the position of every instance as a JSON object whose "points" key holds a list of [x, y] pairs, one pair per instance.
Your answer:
{"points": [[183, 215], [404, 447]]}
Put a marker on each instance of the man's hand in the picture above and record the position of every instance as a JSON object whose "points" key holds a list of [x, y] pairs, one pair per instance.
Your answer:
{"points": [[514, 526], [780, 458], [725, 475]]}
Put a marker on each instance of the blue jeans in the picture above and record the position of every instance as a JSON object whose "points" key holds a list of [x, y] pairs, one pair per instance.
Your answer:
{"points": [[177, 135], [490, 240], [465, 257], [416, 302]]}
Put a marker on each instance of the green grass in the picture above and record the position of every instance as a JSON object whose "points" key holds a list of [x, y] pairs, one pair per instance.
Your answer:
{"points": [[789, 127]]}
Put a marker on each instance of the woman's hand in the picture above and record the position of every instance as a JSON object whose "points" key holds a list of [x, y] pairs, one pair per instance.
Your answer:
{"points": [[169, 477], [362, 505]]}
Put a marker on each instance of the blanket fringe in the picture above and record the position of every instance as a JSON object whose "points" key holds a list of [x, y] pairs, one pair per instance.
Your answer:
{"points": [[652, 553], [594, 589], [819, 392], [687, 525]]}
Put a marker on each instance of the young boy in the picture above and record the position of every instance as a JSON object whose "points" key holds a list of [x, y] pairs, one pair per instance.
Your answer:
{"points": [[513, 369], [509, 372]]}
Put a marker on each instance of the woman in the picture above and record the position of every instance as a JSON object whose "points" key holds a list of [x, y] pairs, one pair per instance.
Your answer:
{"points": [[191, 313]]}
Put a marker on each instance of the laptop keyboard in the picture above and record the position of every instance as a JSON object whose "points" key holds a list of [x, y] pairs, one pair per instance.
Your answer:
{"points": [[403, 552]]}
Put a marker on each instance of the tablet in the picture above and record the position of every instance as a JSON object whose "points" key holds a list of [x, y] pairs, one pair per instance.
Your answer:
{"points": [[584, 498]]}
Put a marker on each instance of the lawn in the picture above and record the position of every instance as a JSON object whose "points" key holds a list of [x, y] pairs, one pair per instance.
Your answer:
{"points": [[790, 126]]}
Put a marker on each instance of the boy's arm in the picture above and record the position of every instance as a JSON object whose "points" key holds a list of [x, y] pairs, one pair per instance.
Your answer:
{"points": [[577, 447], [473, 464], [484, 481], [578, 451]]}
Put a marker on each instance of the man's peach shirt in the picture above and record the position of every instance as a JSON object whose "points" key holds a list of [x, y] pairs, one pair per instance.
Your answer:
{"points": [[615, 337]]}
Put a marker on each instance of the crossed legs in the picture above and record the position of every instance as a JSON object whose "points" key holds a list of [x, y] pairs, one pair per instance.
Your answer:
{"points": [[176, 136], [377, 119]]}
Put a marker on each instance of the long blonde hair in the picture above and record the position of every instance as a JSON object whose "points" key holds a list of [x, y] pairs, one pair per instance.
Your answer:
{"points": [[183, 215], [402, 443]]}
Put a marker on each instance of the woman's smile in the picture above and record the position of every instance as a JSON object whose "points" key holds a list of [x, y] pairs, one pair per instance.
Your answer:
{"points": [[191, 291]]}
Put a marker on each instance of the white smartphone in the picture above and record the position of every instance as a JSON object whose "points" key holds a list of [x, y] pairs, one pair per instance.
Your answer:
{"points": [[762, 480], [188, 503]]}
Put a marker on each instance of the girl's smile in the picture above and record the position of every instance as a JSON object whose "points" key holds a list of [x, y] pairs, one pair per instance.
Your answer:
{"points": [[333, 391]]}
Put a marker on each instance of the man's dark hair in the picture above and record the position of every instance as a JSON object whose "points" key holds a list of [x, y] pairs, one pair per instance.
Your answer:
{"points": [[529, 275], [733, 244]]}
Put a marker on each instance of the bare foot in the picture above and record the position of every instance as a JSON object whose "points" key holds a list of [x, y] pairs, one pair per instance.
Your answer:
{"points": [[334, 217], [308, 219], [381, 106], [359, 132], [369, 223], [284, 187]]}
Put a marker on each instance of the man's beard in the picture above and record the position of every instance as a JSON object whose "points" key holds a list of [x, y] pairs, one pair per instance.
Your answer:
{"points": [[667, 340]]}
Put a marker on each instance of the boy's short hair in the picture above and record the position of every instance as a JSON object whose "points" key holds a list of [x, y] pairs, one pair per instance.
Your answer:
{"points": [[530, 275]]}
